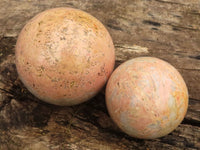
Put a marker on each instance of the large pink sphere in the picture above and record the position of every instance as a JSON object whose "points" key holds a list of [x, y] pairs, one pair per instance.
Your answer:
{"points": [[146, 97], [64, 56]]}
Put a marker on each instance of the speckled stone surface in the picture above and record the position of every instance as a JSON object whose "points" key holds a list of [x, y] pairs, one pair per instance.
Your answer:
{"points": [[146, 97], [64, 56]]}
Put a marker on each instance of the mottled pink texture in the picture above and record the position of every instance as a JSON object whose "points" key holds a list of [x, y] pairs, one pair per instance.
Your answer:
{"points": [[146, 97], [64, 56]]}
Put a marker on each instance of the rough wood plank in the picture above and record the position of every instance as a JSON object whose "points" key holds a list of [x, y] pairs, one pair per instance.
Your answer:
{"points": [[168, 29], [26, 122]]}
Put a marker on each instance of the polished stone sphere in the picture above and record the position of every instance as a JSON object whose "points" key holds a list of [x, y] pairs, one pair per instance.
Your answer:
{"points": [[146, 97], [64, 56]]}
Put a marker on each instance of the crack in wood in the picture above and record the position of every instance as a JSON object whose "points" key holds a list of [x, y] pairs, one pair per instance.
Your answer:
{"points": [[191, 122], [178, 27], [157, 24], [169, 2]]}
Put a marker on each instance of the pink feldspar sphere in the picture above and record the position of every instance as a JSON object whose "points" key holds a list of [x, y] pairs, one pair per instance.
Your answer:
{"points": [[64, 56], [146, 97]]}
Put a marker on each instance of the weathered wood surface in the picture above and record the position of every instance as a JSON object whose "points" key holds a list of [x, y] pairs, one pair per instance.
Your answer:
{"points": [[168, 29]]}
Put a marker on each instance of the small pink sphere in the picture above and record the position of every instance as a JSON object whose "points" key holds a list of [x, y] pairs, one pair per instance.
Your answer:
{"points": [[146, 97], [64, 56]]}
